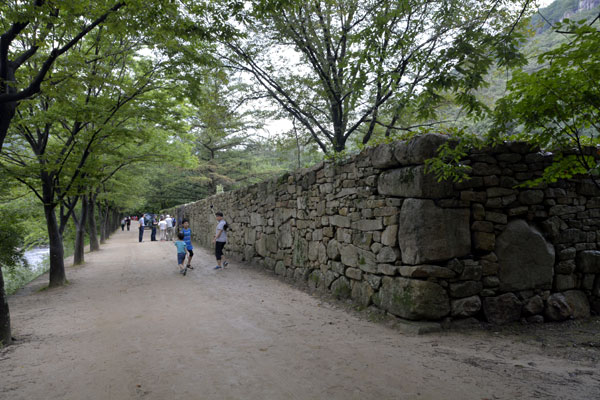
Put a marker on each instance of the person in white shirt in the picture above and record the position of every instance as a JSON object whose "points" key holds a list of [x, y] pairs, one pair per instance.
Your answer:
{"points": [[220, 240], [169, 222], [162, 226], [141, 222]]}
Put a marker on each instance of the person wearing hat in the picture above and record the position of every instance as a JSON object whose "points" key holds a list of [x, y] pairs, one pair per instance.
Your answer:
{"points": [[169, 222]]}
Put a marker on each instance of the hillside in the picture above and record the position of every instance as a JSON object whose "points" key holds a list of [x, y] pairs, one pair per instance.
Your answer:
{"points": [[543, 39], [561, 9]]}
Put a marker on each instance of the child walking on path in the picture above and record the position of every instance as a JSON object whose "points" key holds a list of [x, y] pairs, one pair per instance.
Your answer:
{"points": [[187, 238], [220, 240], [181, 245]]}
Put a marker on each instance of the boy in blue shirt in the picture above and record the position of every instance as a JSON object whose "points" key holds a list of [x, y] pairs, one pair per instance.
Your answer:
{"points": [[181, 245], [187, 238]]}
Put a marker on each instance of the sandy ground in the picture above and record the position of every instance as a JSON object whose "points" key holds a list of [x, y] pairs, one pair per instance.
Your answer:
{"points": [[129, 326]]}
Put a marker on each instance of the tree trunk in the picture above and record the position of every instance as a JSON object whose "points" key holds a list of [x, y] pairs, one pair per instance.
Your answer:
{"points": [[7, 112], [79, 257], [103, 225], [5, 335], [92, 227], [116, 220], [57, 256], [8, 109]]}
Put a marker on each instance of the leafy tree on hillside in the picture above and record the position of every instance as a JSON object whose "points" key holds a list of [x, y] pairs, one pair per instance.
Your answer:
{"points": [[558, 106], [337, 66]]}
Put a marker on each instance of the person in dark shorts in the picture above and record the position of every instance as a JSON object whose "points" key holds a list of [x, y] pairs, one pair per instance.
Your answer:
{"points": [[220, 240], [187, 238], [154, 224]]}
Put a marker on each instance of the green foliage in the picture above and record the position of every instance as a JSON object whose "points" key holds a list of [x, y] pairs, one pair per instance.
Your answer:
{"points": [[448, 165], [563, 167], [558, 106], [20, 275], [11, 238]]}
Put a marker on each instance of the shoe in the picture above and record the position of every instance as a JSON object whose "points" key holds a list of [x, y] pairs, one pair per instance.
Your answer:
{"points": [[184, 272], [218, 267], [226, 263], [189, 267]]}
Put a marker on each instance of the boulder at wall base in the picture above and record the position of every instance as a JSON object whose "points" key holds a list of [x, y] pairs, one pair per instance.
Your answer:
{"points": [[502, 309], [526, 260], [533, 306], [412, 299], [557, 308], [280, 268], [430, 233], [261, 246], [362, 293], [578, 302], [341, 288], [466, 307]]}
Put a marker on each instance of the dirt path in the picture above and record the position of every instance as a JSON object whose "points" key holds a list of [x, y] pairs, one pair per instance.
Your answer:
{"points": [[129, 326]]}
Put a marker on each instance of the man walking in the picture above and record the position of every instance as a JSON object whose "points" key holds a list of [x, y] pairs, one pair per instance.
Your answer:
{"points": [[142, 228]]}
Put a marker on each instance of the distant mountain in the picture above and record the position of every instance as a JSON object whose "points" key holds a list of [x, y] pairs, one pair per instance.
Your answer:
{"points": [[542, 40], [562, 9]]}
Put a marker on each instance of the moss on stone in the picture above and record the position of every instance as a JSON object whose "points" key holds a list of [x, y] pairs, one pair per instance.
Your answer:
{"points": [[404, 298]]}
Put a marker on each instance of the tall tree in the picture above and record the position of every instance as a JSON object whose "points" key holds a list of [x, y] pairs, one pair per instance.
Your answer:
{"points": [[335, 65], [55, 28], [62, 129]]}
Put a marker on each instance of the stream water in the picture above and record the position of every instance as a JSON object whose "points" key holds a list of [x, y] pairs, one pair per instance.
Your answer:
{"points": [[36, 257]]}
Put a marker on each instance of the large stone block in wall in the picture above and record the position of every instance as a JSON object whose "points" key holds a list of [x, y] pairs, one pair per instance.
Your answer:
{"points": [[282, 215], [412, 182], [353, 256], [429, 233], [502, 309], [261, 246], [382, 156], [588, 261], [419, 149], [300, 251], [256, 219], [525, 258], [285, 239], [412, 299]]}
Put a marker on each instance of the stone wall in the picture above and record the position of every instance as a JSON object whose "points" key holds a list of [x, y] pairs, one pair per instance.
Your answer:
{"points": [[380, 230]]}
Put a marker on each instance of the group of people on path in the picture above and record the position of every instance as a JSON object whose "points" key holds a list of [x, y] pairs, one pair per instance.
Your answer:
{"points": [[185, 250], [125, 222], [166, 227]]}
